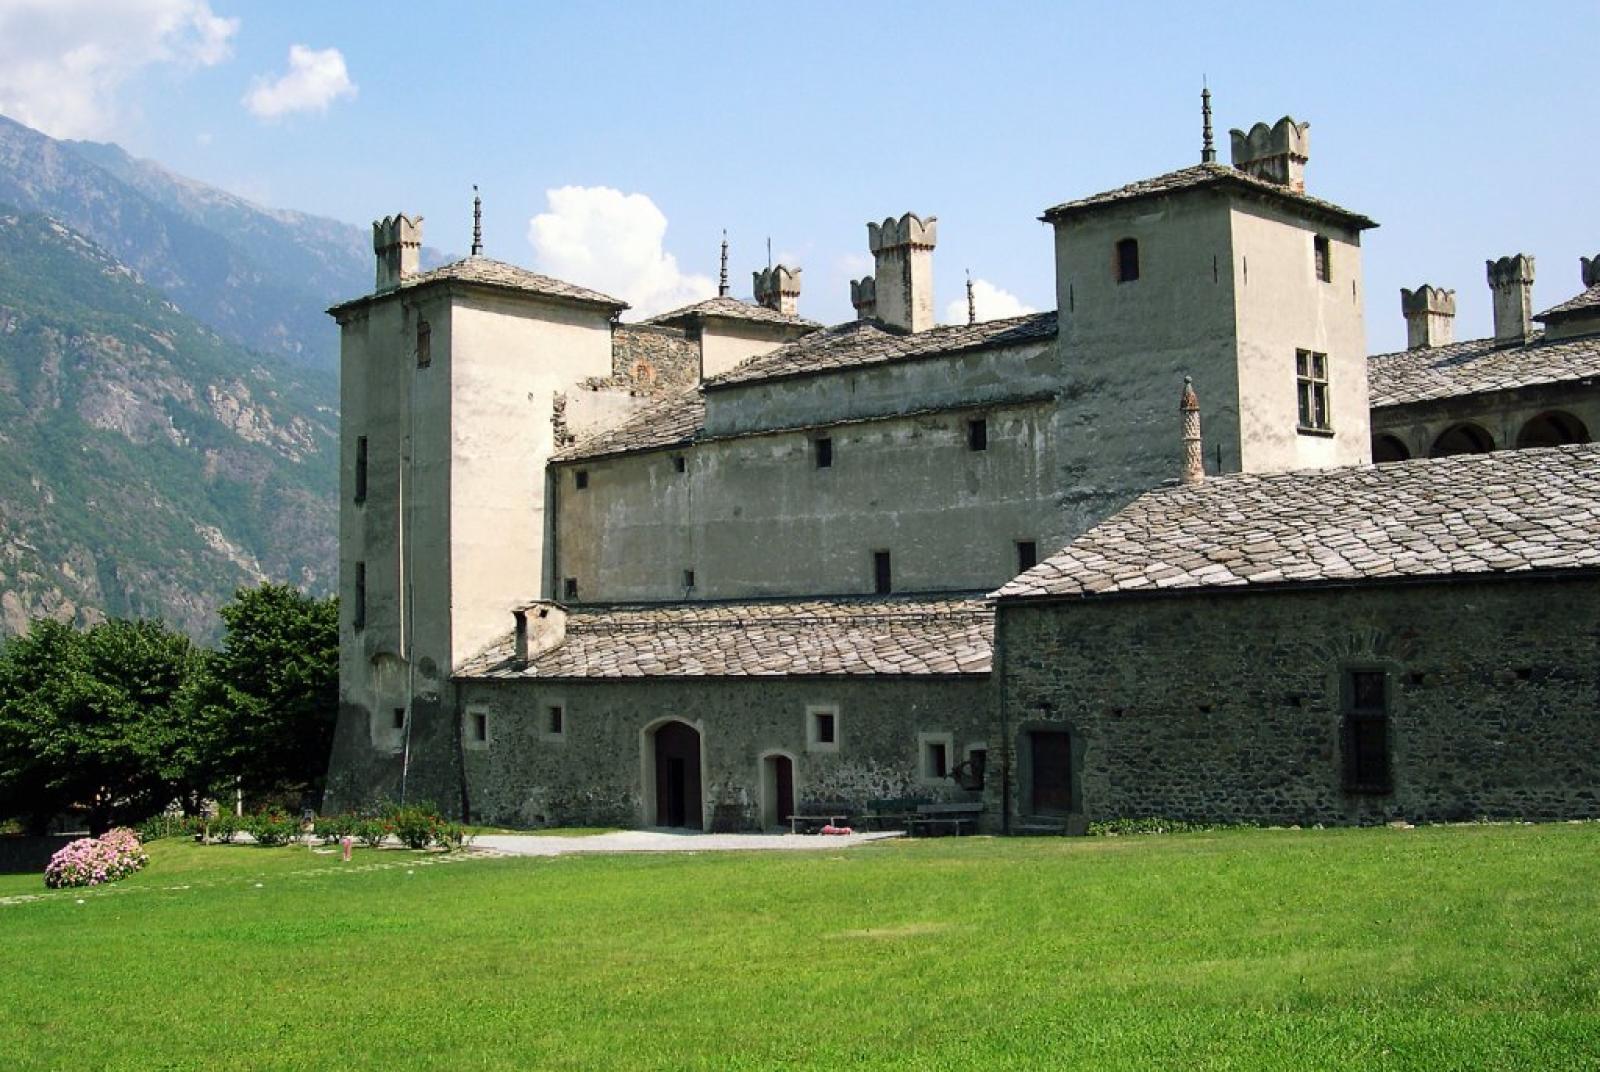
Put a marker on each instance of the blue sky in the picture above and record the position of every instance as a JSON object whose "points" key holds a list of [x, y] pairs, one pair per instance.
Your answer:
{"points": [[1467, 131]]}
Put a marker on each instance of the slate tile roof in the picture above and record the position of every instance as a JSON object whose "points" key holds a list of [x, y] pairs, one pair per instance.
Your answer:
{"points": [[866, 342], [899, 635], [1466, 368], [1205, 175], [673, 421], [1587, 302], [487, 272], [732, 309], [1505, 512]]}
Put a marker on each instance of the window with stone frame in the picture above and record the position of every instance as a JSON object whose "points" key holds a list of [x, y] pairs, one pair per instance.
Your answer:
{"points": [[1311, 385], [1366, 731], [822, 728]]}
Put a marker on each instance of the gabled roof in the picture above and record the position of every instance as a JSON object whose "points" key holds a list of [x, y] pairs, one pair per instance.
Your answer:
{"points": [[1202, 175], [1507, 512], [867, 342], [673, 421], [1587, 302], [846, 636], [1466, 368], [497, 275], [731, 309]]}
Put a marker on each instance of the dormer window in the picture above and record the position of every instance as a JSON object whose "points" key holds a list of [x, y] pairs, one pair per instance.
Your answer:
{"points": [[1127, 260]]}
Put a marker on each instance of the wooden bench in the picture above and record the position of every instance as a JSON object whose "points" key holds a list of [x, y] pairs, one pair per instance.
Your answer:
{"points": [[892, 813], [814, 816], [948, 818]]}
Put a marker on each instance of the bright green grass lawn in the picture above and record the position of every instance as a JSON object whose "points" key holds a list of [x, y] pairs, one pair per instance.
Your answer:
{"points": [[1445, 948]]}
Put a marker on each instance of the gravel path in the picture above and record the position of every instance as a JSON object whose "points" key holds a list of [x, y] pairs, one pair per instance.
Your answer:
{"points": [[663, 841]]}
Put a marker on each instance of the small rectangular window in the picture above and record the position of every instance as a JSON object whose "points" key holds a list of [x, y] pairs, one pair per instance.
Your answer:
{"points": [[1311, 382], [358, 610], [688, 578], [936, 762], [824, 728], [1027, 555], [977, 766], [822, 451], [480, 727], [882, 581], [1127, 260], [978, 434], [679, 463], [361, 469], [1366, 731], [569, 588], [1321, 252], [399, 718], [580, 479], [424, 344], [555, 719]]}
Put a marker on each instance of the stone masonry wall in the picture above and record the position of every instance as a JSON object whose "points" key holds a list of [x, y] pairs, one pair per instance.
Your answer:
{"points": [[592, 774], [1228, 706]]}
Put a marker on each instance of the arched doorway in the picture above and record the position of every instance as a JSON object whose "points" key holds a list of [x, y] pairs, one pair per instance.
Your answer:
{"points": [[777, 789], [1388, 448], [674, 761], [1464, 438], [1552, 429]]}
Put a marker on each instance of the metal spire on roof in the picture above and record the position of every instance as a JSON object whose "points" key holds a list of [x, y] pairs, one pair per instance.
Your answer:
{"points": [[477, 222], [769, 251], [722, 282], [972, 305], [1208, 150]]}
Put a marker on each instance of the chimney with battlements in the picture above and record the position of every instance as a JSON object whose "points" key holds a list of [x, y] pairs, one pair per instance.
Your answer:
{"points": [[1430, 316], [1277, 153], [397, 240], [1511, 282], [903, 279], [778, 288], [864, 297]]}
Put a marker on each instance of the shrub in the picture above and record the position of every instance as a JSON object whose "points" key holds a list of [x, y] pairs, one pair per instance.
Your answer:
{"points": [[273, 827], [334, 828], [114, 855], [166, 825], [372, 830], [451, 836], [1155, 825], [222, 828], [416, 825]]}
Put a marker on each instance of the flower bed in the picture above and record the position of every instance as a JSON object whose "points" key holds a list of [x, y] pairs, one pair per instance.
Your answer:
{"points": [[95, 861]]}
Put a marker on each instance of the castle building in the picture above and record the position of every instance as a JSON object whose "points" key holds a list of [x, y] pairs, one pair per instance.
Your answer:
{"points": [[702, 570]]}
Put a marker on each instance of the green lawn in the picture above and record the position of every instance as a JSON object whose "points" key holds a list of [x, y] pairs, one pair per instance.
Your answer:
{"points": [[1443, 948]]}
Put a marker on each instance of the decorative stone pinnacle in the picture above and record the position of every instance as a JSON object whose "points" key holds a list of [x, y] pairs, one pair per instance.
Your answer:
{"points": [[1194, 470], [722, 280], [972, 304], [1208, 148], [477, 222]]}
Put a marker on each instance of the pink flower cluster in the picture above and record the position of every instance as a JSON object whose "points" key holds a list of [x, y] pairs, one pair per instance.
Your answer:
{"points": [[94, 861]]}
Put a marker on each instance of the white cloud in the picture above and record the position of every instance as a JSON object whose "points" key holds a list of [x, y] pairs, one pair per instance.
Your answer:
{"points": [[603, 238], [991, 302], [313, 81], [63, 63]]}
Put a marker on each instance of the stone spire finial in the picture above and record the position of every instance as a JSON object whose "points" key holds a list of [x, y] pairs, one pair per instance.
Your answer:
{"points": [[1194, 468], [1208, 148], [972, 304], [477, 222], [722, 280]]}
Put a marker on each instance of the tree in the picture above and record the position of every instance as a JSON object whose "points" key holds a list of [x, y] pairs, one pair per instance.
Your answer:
{"points": [[275, 687]]}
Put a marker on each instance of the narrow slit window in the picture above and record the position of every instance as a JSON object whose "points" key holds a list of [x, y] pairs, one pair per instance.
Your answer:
{"points": [[555, 719], [1027, 555], [480, 727], [978, 434], [882, 579], [1322, 255], [688, 578], [1127, 260], [424, 344], [361, 469], [822, 452], [358, 610], [1311, 381], [679, 463], [580, 479], [399, 718]]}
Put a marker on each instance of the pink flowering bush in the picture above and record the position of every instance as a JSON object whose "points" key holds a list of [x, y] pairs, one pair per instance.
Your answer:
{"points": [[96, 861]]}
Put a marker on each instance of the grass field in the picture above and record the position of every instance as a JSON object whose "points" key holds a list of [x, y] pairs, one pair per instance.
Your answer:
{"points": [[1435, 948]]}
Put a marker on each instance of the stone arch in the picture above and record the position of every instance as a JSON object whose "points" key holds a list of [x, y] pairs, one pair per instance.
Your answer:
{"points": [[1389, 448], [780, 792], [1463, 438], [672, 755], [1553, 428]]}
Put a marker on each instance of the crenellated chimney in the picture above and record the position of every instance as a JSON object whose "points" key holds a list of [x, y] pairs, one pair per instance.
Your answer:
{"points": [[1511, 283], [1194, 467], [1430, 316], [397, 240], [864, 296], [1277, 153], [903, 252], [778, 288], [1589, 270], [541, 626]]}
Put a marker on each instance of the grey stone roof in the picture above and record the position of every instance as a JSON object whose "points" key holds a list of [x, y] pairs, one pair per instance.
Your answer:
{"points": [[1466, 368], [486, 272], [1510, 511], [867, 342], [1587, 302], [673, 421], [731, 309], [1205, 175], [762, 638]]}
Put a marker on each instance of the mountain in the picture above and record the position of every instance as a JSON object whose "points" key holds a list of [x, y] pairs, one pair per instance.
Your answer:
{"points": [[148, 465], [260, 277]]}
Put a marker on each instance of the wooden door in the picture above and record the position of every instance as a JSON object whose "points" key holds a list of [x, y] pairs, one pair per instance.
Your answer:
{"points": [[1052, 772], [678, 794], [783, 782]]}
